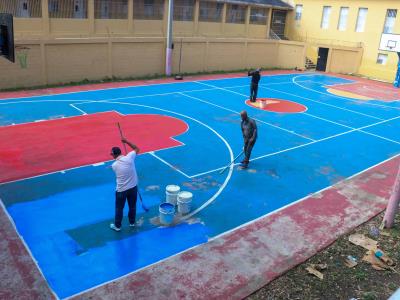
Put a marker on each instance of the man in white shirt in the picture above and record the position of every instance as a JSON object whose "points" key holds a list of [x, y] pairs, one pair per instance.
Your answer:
{"points": [[127, 180]]}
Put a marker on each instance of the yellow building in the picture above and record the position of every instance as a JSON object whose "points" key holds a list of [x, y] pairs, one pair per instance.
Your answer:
{"points": [[340, 24], [60, 41]]}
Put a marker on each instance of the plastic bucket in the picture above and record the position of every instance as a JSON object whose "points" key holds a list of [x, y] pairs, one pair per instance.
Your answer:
{"points": [[263, 104], [171, 193], [167, 212], [184, 202]]}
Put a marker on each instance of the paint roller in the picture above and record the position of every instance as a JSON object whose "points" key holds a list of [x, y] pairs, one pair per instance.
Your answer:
{"points": [[223, 170], [140, 195]]}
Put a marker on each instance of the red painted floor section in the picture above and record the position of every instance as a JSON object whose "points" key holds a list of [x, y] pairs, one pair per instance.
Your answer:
{"points": [[277, 105], [236, 264], [371, 90], [54, 145]]}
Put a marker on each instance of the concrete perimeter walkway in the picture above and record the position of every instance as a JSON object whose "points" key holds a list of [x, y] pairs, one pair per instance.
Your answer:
{"points": [[232, 265]]}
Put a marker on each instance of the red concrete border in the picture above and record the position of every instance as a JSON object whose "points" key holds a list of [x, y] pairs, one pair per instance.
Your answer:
{"points": [[230, 266], [111, 85], [19, 276], [238, 263]]}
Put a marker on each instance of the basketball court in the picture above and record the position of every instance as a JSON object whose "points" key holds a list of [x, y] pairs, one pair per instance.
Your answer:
{"points": [[58, 190]]}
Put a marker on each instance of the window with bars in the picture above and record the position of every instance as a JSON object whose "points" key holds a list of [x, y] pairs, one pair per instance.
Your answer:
{"points": [[361, 19], [390, 20], [236, 14], [299, 12], [22, 8], [258, 15], [183, 10], [148, 9], [326, 14], [344, 13], [70, 9], [210, 11], [382, 59], [111, 9]]}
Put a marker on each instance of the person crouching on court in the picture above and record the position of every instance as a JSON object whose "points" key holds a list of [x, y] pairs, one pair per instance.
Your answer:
{"points": [[127, 180], [255, 78], [249, 131]]}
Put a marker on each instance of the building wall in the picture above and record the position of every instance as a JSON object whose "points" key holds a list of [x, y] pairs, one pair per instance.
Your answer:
{"points": [[47, 27], [57, 61], [309, 30]]}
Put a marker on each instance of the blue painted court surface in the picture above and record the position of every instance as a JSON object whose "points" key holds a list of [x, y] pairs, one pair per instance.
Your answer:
{"points": [[64, 217]]}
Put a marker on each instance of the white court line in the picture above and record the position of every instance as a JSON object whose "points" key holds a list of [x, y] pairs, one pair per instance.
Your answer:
{"points": [[228, 177], [80, 101], [168, 164], [323, 103], [83, 112], [50, 120], [310, 143], [336, 96], [139, 85], [301, 199], [258, 120], [41, 101], [2, 206], [233, 229], [365, 132]]}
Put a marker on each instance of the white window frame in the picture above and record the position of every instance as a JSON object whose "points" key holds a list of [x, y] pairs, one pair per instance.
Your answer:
{"points": [[390, 20], [361, 19], [382, 59], [298, 12], [343, 17], [326, 15]]}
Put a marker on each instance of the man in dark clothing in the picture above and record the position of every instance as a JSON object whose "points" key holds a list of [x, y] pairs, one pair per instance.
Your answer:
{"points": [[255, 78], [249, 131]]}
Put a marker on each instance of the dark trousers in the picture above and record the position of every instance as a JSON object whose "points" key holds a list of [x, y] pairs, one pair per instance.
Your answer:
{"points": [[120, 199], [253, 92], [248, 147]]}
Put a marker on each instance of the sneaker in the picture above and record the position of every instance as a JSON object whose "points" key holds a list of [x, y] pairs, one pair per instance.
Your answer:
{"points": [[132, 225], [113, 227]]}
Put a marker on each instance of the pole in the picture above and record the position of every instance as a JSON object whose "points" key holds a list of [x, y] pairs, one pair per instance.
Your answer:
{"points": [[396, 82], [168, 59], [393, 204]]}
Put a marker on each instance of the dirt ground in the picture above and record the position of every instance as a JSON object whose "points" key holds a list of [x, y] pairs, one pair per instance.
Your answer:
{"points": [[341, 282]]}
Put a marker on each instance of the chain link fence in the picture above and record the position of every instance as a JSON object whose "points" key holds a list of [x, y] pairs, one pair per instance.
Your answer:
{"points": [[210, 11], [68, 9], [22, 8], [183, 10], [111, 9], [236, 14], [148, 9], [258, 16]]}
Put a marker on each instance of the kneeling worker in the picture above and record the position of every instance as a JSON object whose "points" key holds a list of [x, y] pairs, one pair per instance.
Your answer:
{"points": [[127, 180]]}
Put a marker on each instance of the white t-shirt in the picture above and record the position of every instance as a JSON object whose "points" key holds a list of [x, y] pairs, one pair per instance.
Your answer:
{"points": [[125, 171]]}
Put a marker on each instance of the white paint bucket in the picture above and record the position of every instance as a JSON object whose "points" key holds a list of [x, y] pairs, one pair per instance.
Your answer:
{"points": [[263, 103], [171, 192], [167, 212], [184, 202]]}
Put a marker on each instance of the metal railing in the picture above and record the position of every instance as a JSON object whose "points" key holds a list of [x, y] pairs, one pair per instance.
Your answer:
{"points": [[330, 42], [273, 35]]}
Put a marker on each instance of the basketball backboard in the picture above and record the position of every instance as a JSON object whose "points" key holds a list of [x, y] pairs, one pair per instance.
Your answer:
{"points": [[7, 37], [390, 42]]}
